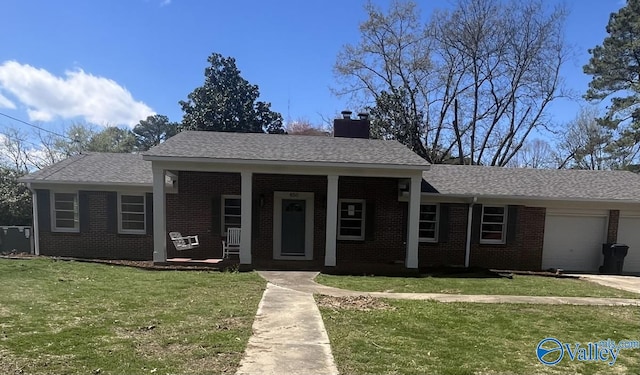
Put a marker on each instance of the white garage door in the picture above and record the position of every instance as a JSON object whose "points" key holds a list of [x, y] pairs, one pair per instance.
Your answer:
{"points": [[629, 234], [573, 242]]}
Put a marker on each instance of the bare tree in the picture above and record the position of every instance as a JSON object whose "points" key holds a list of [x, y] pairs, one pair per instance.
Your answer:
{"points": [[535, 153], [304, 127], [474, 82], [14, 150], [587, 145], [49, 153]]}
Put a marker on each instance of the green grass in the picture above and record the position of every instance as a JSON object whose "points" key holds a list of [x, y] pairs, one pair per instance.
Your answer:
{"points": [[82, 318], [519, 285], [426, 337]]}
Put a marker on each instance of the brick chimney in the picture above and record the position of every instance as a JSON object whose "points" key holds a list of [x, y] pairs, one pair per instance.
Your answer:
{"points": [[346, 127]]}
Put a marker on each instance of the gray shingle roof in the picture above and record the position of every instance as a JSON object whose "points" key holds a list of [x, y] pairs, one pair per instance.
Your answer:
{"points": [[287, 148], [532, 183], [97, 168], [131, 169]]}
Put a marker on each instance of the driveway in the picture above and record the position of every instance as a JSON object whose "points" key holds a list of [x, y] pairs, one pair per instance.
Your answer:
{"points": [[628, 283]]}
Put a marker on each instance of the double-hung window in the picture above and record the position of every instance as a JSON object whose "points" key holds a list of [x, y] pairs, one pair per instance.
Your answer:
{"points": [[351, 217], [132, 213], [64, 212], [428, 231], [494, 224], [230, 212]]}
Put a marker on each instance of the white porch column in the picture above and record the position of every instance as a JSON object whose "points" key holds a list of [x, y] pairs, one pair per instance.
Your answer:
{"points": [[332, 221], [413, 222], [159, 217], [35, 234], [245, 213]]}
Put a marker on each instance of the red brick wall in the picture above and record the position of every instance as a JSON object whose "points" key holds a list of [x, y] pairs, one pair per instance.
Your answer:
{"points": [[523, 253], [96, 242], [190, 211], [449, 252], [388, 244]]}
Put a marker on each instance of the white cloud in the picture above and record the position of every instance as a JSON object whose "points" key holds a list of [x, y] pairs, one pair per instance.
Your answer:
{"points": [[98, 100], [6, 103]]}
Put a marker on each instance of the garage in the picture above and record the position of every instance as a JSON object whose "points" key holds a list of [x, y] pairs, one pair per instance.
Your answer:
{"points": [[573, 239], [629, 234]]}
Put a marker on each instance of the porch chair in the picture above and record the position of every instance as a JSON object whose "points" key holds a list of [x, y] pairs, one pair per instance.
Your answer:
{"points": [[232, 245], [184, 243]]}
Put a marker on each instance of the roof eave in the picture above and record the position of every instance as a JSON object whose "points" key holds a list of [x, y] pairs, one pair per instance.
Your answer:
{"points": [[532, 198], [286, 163], [95, 183]]}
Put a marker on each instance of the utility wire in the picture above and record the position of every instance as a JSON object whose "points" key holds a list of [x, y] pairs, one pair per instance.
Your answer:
{"points": [[19, 139], [36, 126]]}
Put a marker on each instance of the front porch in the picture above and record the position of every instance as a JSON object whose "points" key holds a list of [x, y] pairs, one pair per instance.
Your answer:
{"points": [[288, 220], [326, 201]]}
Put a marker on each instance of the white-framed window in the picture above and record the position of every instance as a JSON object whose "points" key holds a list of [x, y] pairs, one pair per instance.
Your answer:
{"points": [[64, 212], [231, 217], [351, 214], [494, 224], [428, 231], [132, 213]]}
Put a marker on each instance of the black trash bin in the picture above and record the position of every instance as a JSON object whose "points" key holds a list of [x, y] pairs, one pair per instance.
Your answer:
{"points": [[614, 254]]}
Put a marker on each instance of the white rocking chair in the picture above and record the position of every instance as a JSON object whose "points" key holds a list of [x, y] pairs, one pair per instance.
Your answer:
{"points": [[184, 243], [232, 245]]}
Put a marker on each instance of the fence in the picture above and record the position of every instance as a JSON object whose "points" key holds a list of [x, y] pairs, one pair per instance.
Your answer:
{"points": [[16, 239]]}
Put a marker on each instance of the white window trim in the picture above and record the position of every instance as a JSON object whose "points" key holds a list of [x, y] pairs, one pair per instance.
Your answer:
{"points": [[144, 205], [52, 213], [222, 214], [503, 238], [437, 226], [363, 221]]}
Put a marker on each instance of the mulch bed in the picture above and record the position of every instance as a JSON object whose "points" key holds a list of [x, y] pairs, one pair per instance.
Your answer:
{"points": [[149, 265], [142, 264]]}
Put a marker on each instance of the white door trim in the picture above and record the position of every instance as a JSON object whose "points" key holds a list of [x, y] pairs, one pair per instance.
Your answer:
{"points": [[278, 196]]}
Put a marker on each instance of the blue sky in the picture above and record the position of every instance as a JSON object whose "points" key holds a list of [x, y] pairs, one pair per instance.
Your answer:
{"points": [[116, 61]]}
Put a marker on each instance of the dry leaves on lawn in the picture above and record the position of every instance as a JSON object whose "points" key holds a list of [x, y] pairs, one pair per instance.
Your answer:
{"points": [[362, 303]]}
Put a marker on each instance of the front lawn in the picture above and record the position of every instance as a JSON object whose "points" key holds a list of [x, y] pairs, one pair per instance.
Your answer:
{"points": [[426, 337], [82, 318], [520, 285]]}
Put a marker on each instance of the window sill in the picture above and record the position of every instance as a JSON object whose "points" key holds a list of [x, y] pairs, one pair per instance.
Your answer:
{"points": [[350, 239], [492, 243], [58, 230], [128, 233]]}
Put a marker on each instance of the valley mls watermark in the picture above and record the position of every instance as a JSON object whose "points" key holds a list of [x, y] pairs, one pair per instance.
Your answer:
{"points": [[551, 351]]}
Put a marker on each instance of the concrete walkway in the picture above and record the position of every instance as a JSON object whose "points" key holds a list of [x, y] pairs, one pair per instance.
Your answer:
{"points": [[628, 283], [304, 281], [288, 336]]}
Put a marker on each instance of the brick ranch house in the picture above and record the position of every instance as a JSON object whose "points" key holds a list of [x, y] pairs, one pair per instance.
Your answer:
{"points": [[339, 203]]}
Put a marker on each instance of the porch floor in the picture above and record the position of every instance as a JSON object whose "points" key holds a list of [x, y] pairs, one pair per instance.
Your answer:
{"points": [[212, 263], [196, 261]]}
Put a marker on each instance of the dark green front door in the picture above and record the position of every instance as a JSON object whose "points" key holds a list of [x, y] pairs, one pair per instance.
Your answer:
{"points": [[293, 227]]}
